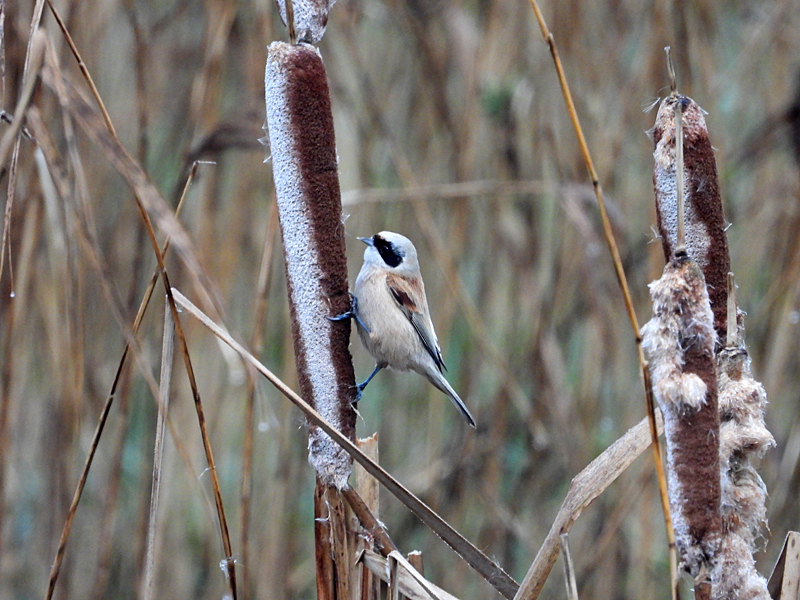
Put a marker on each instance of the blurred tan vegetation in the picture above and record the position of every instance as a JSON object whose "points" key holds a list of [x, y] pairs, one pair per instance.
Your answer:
{"points": [[425, 93]]}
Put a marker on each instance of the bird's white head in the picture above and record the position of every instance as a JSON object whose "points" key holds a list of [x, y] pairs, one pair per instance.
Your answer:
{"points": [[391, 251]]}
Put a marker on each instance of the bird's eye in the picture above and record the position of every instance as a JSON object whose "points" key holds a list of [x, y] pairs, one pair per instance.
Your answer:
{"points": [[390, 253]]}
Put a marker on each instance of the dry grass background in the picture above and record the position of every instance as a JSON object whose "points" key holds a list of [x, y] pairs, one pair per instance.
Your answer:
{"points": [[424, 94]]}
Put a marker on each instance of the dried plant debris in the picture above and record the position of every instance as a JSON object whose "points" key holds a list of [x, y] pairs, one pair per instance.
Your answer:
{"points": [[679, 344], [309, 206], [706, 240], [744, 438], [310, 18]]}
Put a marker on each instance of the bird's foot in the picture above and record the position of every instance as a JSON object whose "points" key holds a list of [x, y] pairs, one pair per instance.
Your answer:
{"points": [[351, 314], [359, 388]]}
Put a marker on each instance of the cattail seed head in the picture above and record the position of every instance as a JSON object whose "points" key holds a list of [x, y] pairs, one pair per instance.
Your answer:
{"points": [[679, 344], [706, 240], [306, 177]]}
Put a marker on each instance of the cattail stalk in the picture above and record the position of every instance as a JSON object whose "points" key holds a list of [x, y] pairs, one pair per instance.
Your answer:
{"points": [[305, 168]]}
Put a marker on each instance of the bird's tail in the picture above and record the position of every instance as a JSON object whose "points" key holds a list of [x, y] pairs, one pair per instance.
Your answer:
{"points": [[440, 382]]}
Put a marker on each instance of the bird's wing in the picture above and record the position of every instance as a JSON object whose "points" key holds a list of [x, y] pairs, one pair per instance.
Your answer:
{"points": [[410, 299]]}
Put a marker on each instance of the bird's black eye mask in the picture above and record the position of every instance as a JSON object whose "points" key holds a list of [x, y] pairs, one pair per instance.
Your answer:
{"points": [[390, 253]]}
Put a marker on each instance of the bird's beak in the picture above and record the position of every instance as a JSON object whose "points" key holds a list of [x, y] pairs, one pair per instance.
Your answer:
{"points": [[368, 241]]}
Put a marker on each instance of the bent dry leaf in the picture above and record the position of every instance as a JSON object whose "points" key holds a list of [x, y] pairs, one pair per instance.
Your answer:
{"points": [[585, 487]]}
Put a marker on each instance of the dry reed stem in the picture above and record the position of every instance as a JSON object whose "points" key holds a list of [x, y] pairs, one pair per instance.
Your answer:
{"points": [[342, 555], [365, 505], [136, 175], [490, 571], [585, 487], [167, 347], [367, 486], [608, 234], [569, 567], [132, 344], [84, 71], [147, 197], [369, 520], [393, 568], [289, 20], [680, 237], [223, 524], [784, 583], [105, 554], [11, 136], [323, 545], [9, 355], [36, 21], [48, 149], [30, 75], [407, 584], [415, 558]]}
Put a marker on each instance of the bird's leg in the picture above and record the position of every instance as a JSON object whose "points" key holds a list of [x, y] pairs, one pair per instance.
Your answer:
{"points": [[352, 314], [360, 387]]}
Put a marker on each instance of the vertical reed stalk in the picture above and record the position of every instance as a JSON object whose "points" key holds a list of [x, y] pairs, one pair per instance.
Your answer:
{"points": [[167, 348]]}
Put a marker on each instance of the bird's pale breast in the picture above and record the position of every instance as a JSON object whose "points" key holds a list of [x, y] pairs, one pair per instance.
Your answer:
{"points": [[392, 339]]}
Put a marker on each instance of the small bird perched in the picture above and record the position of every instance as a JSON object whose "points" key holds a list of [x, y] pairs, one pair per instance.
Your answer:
{"points": [[392, 315]]}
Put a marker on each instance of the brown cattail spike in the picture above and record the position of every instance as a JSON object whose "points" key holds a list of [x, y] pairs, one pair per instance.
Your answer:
{"points": [[305, 168], [704, 221], [679, 344]]}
